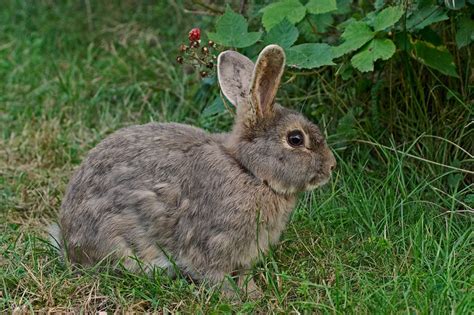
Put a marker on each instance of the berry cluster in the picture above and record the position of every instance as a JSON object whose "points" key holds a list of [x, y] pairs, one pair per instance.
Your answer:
{"points": [[200, 57]]}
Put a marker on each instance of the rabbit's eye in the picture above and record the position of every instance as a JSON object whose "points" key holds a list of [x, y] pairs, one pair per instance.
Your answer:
{"points": [[295, 138]]}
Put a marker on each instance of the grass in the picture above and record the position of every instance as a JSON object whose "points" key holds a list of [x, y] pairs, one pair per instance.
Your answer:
{"points": [[392, 233]]}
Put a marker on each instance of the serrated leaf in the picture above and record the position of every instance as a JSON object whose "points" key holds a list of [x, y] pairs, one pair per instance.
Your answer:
{"points": [[232, 31], [308, 56], [387, 17], [355, 36], [343, 6], [314, 24], [436, 57], [378, 4], [284, 34], [375, 50], [216, 107], [464, 32], [321, 6], [425, 16], [274, 13]]}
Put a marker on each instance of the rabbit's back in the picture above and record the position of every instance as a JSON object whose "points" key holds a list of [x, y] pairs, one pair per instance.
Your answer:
{"points": [[172, 188], [126, 186]]}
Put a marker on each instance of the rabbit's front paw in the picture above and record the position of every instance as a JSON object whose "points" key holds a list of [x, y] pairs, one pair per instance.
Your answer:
{"points": [[252, 290]]}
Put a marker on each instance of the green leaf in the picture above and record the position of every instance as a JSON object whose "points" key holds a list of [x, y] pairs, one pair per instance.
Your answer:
{"points": [[355, 36], [307, 56], [436, 57], [464, 32], [216, 107], [313, 25], [343, 6], [426, 16], [387, 17], [321, 6], [375, 50], [232, 31], [284, 34], [455, 4], [429, 35], [274, 13], [378, 4]]}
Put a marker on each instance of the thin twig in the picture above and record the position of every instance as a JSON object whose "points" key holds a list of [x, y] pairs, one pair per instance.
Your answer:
{"points": [[207, 6], [206, 13], [243, 4]]}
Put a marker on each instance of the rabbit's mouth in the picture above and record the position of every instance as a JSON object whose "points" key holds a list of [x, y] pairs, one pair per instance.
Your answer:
{"points": [[318, 181]]}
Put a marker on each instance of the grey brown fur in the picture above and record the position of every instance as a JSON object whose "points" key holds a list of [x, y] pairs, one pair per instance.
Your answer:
{"points": [[209, 202]]}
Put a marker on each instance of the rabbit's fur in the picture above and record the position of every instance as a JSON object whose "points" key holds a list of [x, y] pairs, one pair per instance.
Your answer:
{"points": [[210, 203]]}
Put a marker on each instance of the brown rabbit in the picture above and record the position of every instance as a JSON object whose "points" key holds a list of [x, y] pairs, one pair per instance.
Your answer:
{"points": [[174, 195]]}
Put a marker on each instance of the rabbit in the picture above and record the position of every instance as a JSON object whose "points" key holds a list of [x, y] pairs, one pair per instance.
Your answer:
{"points": [[175, 196]]}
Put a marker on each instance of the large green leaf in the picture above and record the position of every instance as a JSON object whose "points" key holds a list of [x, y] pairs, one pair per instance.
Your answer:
{"points": [[375, 50], [232, 31], [436, 57], [387, 17], [313, 25], [355, 36], [464, 32], [274, 13], [283, 34], [307, 56], [425, 16], [321, 6]]}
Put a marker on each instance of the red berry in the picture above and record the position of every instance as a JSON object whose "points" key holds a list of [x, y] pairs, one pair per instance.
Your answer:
{"points": [[194, 34], [183, 48]]}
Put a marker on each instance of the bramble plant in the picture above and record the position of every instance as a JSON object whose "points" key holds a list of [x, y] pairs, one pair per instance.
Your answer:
{"points": [[335, 33], [201, 58], [307, 32]]}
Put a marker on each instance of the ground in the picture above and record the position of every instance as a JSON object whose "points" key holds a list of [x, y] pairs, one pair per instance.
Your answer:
{"points": [[392, 232]]}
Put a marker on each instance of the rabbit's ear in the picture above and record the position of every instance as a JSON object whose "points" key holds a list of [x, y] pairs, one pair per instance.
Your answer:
{"points": [[234, 72], [266, 78]]}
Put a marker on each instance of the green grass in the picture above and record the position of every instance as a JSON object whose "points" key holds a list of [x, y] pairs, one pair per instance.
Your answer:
{"points": [[392, 233]]}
